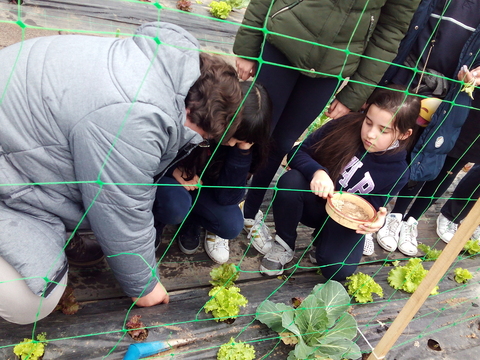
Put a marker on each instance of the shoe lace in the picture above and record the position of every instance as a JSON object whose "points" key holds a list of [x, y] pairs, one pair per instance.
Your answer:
{"points": [[259, 229], [392, 226], [410, 233], [277, 253], [452, 227], [220, 243]]}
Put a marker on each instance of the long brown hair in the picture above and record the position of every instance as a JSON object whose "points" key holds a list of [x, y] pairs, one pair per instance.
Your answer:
{"points": [[337, 148], [215, 97]]}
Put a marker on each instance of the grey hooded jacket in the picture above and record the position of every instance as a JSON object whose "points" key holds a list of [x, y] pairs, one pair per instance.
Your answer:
{"points": [[86, 123]]}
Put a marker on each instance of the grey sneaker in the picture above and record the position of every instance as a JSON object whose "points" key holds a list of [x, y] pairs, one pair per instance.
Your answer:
{"points": [[445, 228], [476, 234], [257, 232], [368, 246], [407, 242], [279, 255], [388, 235]]}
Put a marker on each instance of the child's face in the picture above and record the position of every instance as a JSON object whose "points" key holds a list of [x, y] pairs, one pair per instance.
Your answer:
{"points": [[378, 133]]}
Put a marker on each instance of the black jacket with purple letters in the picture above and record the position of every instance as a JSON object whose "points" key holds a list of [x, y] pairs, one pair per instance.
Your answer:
{"points": [[374, 176]]}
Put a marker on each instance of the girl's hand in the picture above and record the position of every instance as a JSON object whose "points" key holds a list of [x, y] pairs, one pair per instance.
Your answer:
{"points": [[242, 145], [245, 68], [337, 109], [372, 227], [190, 185], [469, 76], [321, 184]]}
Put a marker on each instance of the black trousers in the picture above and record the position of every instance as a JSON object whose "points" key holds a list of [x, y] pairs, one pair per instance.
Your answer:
{"points": [[468, 188], [339, 249], [425, 194], [297, 101]]}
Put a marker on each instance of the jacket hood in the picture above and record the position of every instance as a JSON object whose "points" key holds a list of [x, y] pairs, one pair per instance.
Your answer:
{"points": [[166, 59]]}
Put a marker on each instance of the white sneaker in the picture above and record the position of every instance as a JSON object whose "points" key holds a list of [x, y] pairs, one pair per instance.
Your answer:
{"points": [[368, 246], [476, 234], [257, 232], [407, 242], [445, 228], [276, 258], [216, 248], [388, 235]]}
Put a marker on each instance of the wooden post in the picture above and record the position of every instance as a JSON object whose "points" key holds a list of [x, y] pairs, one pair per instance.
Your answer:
{"points": [[439, 268]]}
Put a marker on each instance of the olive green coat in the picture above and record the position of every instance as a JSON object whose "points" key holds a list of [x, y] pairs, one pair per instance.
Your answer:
{"points": [[371, 28]]}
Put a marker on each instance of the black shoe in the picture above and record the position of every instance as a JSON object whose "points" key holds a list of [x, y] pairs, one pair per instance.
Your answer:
{"points": [[159, 227], [189, 237], [83, 250]]}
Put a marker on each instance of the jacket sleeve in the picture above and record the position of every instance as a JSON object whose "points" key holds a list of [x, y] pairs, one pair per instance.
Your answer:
{"points": [[390, 29], [233, 174], [248, 41], [300, 157], [117, 151]]}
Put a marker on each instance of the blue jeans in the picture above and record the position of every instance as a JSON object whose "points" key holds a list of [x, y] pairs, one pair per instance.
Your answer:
{"points": [[173, 203]]}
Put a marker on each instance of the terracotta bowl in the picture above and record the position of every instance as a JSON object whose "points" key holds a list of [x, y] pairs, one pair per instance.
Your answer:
{"points": [[350, 210]]}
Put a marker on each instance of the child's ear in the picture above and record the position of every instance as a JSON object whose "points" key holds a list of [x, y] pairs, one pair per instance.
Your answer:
{"points": [[405, 135]]}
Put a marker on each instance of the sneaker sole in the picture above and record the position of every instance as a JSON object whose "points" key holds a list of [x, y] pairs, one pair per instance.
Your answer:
{"points": [[187, 251], [385, 247], [268, 272], [408, 253]]}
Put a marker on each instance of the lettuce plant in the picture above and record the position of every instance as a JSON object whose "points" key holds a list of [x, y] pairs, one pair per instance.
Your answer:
{"points": [[462, 275], [361, 286], [236, 351], [31, 350], [320, 328], [225, 302], [184, 5], [224, 275], [237, 4], [408, 277], [430, 254], [220, 9], [472, 247]]}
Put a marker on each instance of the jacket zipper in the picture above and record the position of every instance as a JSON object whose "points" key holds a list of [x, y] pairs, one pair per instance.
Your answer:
{"points": [[288, 7], [370, 29]]}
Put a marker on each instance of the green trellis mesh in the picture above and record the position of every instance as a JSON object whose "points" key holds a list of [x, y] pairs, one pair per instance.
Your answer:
{"points": [[379, 314]]}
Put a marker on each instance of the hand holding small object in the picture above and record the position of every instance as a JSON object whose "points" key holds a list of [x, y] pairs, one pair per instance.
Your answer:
{"points": [[245, 68], [372, 227], [190, 185], [469, 78], [321, 184], [337, 109]]}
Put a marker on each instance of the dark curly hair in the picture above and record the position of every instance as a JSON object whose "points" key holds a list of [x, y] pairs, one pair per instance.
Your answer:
{"points": [[253, 128], [215, 98]]}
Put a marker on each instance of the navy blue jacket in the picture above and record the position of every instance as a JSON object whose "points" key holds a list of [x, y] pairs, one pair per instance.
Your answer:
{"points": [[380, 174], [439, 137]]}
